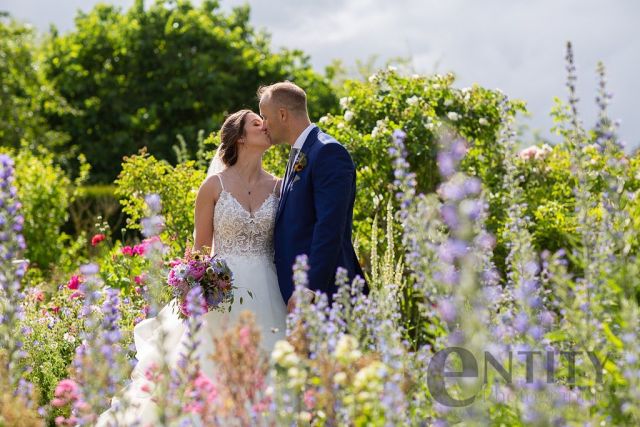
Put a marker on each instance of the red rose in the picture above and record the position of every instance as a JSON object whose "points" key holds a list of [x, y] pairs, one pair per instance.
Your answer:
{"points": [[97, 239], [74, 282]]}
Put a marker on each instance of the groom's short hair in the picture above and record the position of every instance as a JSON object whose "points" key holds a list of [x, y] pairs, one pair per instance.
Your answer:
{"points": [[286, 94]]}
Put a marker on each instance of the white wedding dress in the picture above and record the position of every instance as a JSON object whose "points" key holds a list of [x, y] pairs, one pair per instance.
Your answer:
{"points": [[245, 241]]}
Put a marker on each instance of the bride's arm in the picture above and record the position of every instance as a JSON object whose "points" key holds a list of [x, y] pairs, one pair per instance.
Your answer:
{"points": [[208, 194]]}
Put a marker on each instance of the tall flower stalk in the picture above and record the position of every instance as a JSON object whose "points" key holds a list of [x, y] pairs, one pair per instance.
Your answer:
{"points": [[12, 270]]}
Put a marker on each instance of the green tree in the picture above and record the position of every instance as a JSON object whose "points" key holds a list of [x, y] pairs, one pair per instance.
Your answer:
{"points": [[140, 77], [24, 94]]}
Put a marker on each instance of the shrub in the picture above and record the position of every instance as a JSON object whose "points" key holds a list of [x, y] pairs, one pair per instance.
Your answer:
{"points": [[177, 186]]}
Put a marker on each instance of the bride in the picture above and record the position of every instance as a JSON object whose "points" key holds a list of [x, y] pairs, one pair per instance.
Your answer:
{"points": [[234, 215]]}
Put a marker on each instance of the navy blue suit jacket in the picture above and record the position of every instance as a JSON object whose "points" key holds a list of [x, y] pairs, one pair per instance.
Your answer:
{"points": [[315, 217]]}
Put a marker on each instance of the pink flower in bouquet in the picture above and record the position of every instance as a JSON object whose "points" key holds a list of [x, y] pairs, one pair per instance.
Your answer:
{"points": [[196, 270], [74, 282], [127, 250], [97, 239], [212, 274], [174, 278]]}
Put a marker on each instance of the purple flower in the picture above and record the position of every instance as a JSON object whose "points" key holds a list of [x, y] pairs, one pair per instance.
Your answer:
{"points": [[446, 164], [154, 203], [447, 310]]}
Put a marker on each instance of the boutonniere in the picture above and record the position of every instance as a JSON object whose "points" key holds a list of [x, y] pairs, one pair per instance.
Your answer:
{"points": [[300, 163]]}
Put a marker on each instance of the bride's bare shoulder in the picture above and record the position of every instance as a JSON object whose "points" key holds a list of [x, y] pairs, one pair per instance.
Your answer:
{"points": [[211, 187]]}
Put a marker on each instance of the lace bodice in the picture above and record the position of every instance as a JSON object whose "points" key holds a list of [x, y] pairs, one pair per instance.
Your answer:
{"points": [[237, 232]]}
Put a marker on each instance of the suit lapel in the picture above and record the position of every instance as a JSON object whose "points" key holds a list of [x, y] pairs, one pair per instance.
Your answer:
{"points": [[308, 143]]}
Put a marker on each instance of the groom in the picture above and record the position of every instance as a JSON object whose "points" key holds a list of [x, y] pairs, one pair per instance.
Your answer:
{"points": [[317, 195]]}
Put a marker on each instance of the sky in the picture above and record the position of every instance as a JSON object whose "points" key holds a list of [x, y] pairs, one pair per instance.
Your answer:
{"points": [[517, 46]]}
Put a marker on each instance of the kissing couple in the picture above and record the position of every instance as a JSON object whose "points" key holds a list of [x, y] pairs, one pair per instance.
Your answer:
{"points": [[259, 224]]}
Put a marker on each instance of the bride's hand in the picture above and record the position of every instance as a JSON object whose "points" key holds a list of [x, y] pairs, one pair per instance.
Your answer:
{"points": [[308, 294]]}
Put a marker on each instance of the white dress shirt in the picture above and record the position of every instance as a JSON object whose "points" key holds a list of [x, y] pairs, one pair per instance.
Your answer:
{"points": [[298, 145], [301, 139]]}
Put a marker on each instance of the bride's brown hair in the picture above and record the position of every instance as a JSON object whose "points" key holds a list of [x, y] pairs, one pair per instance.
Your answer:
{"points": [[231, 131]]}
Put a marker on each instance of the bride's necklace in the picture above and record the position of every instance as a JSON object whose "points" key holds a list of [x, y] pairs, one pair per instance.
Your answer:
{"points": [[246, 187]]}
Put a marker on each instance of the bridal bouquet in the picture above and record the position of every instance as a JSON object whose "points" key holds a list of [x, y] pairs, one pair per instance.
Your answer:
{"points": [[211, 273]]}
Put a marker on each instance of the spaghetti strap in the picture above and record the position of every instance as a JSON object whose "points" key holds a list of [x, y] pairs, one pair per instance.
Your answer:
{"points": [[221, 184]]}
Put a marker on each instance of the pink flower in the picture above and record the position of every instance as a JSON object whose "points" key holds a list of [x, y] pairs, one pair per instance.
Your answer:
{"points": [[244, 336], [139, 279], [65, 393], [77, 294], [150, 373], [58, 403], [39, 295], [535, 152], [528, 153], [309, 399], [127, 250], [139, 249], [74, 282], [204, 384], [97, 239]]}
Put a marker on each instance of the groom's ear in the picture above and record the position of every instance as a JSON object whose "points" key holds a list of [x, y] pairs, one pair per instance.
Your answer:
{"points": [[283, 114]]}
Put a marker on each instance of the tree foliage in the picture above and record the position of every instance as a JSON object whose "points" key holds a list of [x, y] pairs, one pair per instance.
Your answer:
{"points": [[140, 77]]}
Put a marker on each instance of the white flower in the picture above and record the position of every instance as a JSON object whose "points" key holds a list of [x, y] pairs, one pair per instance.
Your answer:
{"points": [[413, 100], [340, 125], [415, 76], [69, 338], [483, 121], [384, 87], [453, 116], [339, 378], [323, 120], [448, 102], [370, 379], [435, 86], [347, 349], [373, 77], [281, 350], [348, 115], [344, 101], [392, 68], [304, 416]]}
